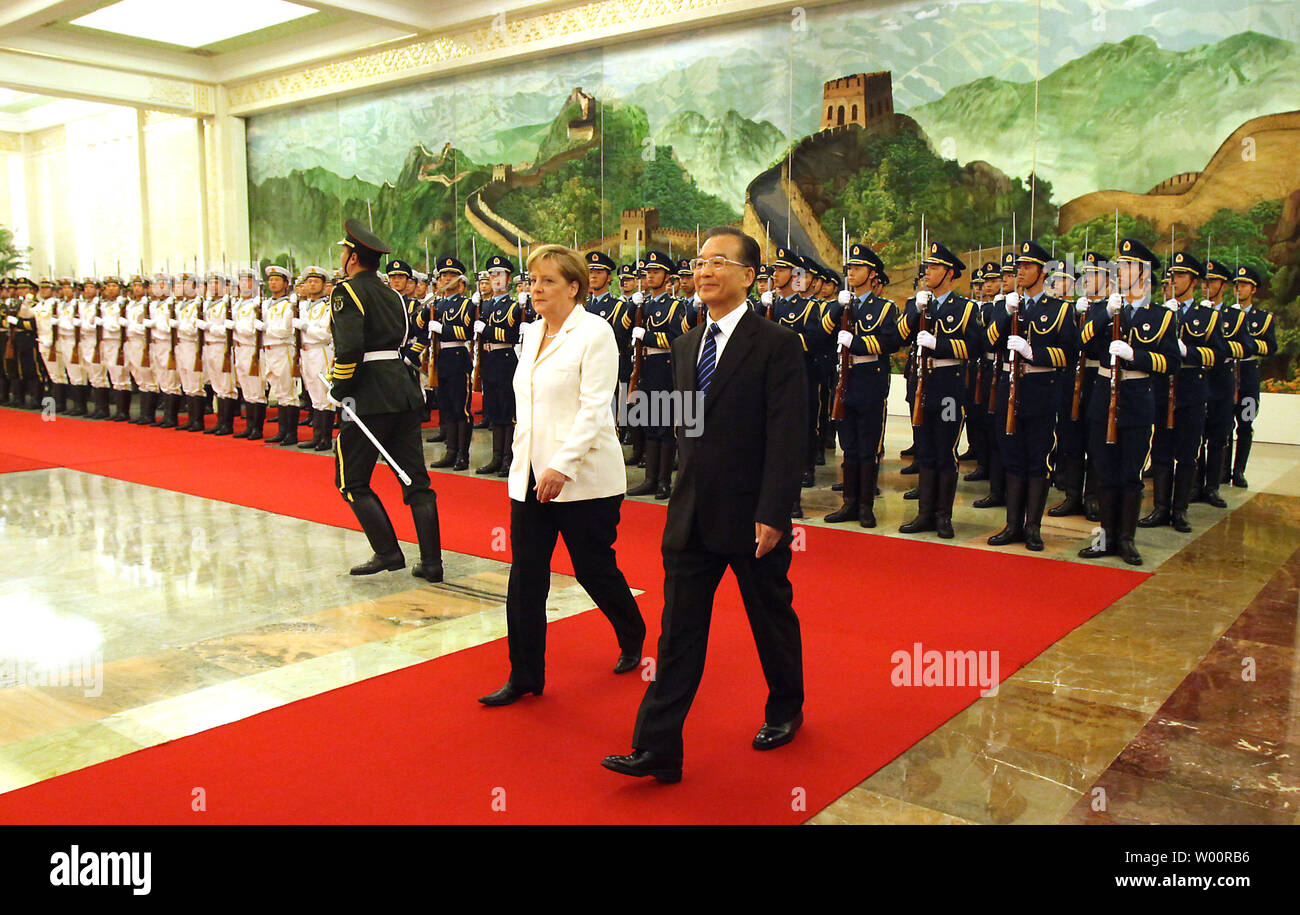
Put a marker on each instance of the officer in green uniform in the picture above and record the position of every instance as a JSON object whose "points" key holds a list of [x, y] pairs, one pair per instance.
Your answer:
{"points": [[369, 325]]}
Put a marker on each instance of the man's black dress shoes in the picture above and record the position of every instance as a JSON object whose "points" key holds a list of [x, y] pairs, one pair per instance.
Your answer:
{"points": [[771, 736], [627, 662], [507, 694], [645, 763], [379, 563]]}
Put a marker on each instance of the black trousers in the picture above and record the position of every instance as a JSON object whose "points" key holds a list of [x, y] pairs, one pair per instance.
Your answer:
{"points": [[691, 578], [355, 454], [588, 527]]}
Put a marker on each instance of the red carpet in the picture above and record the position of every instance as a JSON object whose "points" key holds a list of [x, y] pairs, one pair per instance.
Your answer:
{"points": [[415, 747]]}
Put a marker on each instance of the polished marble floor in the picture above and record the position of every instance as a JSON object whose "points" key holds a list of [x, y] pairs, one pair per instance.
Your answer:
{"points": [[131, 615]]}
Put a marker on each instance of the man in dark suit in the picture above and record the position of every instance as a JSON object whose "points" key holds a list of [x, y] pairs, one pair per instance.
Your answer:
{"points": [[739, 474]]}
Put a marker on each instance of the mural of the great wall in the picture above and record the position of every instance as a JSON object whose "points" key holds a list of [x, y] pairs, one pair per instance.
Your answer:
{"points": [[863, 122]]}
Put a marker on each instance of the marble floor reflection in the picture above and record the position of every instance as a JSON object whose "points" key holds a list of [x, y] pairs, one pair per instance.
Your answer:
{"points": [[131, 615]]}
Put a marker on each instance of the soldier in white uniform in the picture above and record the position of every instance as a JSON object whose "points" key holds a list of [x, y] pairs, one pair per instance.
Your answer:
{"points": [[317, 355], [45, 307], [162, 353], [111, 330], [247, 309], [91, 332], [188, 313], [68, 331], [138, 363], [279, 311], [217, 324]]}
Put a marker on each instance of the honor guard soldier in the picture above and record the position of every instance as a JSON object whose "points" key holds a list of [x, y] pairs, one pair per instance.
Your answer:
{"points": [[249, 328], [1221, 381], [1036, 339], [91, 332], [112, 331], [279, 310], [189, 358], [452, 326], [9, 382], [1001, 285], [369, 329], [317, 355], [686, 283], [22, 336], [627, 280], [45, 307], [137, 349], [401, 279], [664, 320], [218, 326], [162, 356], [762, 284], [618, 313], [978, 429], [69, 337], [828, 294], [871, 338], [1072, 433], [1174, 448], [1145, 348], [497, 329], [1261, 332], [951, 335]]}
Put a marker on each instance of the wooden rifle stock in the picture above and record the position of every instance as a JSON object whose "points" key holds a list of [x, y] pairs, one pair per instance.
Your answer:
{"points": [[76, 344], [476, 381], [1013, 380], [1076, 400], [1112, 414], [95, 356], [846, 364], [922, 364], [638, 353], [1173, 398], [230, 341], [146, 361], [171, 342], [255, 364]]}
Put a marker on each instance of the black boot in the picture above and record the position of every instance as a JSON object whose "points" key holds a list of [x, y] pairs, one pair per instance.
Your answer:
{"points": [[1226, 477], [1129, 508], [78, 394], [1035, 501], [1162, 483], [148, 408], [1245, 437], [101, 404], [944, 496], [226, 407], [638, 447], [256, 419], [1072, 478], [439, 437], [498, 451], [312, 442], [326, 420], [425, 515], [867, 475], [379, 531], [172, 412], [33, 394], [465, 437], [1214, 460], [289, 426], [508, 458], [1014, 531], [282, 425], [1184, 478], [852, 493], [997, 496], [451, 437], [196, 402], [1106, 542], [927, 490], [160, 415], [666, 454], [651, 482]]}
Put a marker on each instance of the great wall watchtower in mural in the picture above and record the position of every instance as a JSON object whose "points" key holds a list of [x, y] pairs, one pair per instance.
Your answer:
{"points": [[862, 100]]}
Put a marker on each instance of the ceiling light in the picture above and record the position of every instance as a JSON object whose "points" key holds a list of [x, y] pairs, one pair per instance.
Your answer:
{"points": [[191, 23]]}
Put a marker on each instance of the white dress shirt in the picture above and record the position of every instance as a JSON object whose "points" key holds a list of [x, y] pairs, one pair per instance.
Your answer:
{"points": [[726, 326]]}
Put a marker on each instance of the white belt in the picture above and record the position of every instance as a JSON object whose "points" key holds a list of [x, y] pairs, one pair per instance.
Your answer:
{"points": [[858, 360], [459, 344], [1248, 359], [654, 350], [380, 355], [945, 363], [1129, 374], [1092, 363], [991, 357], [1033, 369], [493, 347]]}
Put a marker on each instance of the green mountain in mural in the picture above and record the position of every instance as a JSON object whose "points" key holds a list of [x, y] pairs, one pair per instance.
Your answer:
{"points": [[1124, 116], [722, 154]]}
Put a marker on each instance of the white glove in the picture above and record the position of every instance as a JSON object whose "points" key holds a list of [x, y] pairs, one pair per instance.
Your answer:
{"points": [[476, 298], [1082, 305], [925, 339], [435, 327], [299, 323], [1122, 350], [1114, 303], [201, 324], [135, 328], [1020, 345], [230, 325], [11, 320], [638, 333], [1012, 302], [1171, 304], [1182, 348], [523, 297], [845, 297], [845, 339], [923, 298], [122, 322], [766, 298], [637, 298], [479, 327], [147, 322], [1206, 303], [171, 323], [999, 298]]}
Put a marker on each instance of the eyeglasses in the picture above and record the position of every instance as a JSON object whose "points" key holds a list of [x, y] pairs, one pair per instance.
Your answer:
{"points": [[717, 262]]}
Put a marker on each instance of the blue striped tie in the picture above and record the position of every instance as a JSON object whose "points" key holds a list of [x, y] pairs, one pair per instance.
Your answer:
{"points": [[708, 358]]}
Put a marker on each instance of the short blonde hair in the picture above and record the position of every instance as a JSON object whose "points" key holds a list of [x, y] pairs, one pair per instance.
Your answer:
{"points": [[567, 262]]}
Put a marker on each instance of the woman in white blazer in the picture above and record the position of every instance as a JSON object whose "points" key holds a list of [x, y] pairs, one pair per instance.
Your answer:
{"points": [[567, 478]]}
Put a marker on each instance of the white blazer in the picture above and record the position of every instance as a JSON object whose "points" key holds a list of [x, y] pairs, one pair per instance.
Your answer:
{"points": [[564, 416]]}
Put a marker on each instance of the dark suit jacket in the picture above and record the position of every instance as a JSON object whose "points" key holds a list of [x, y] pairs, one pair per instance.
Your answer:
{"points": [[747, 463]]}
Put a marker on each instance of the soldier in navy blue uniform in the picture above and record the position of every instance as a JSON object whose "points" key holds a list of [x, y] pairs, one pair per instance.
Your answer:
{"points": [[975, 450], [369, 325], [1045, 344], [871, 338], [951, 337], [1147, 349], [665, 319], [452, 325], [829, 296], [497, 329], [1261, 334], [603, 303], [1222, 383], [1174, 450], [999, 281]]}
